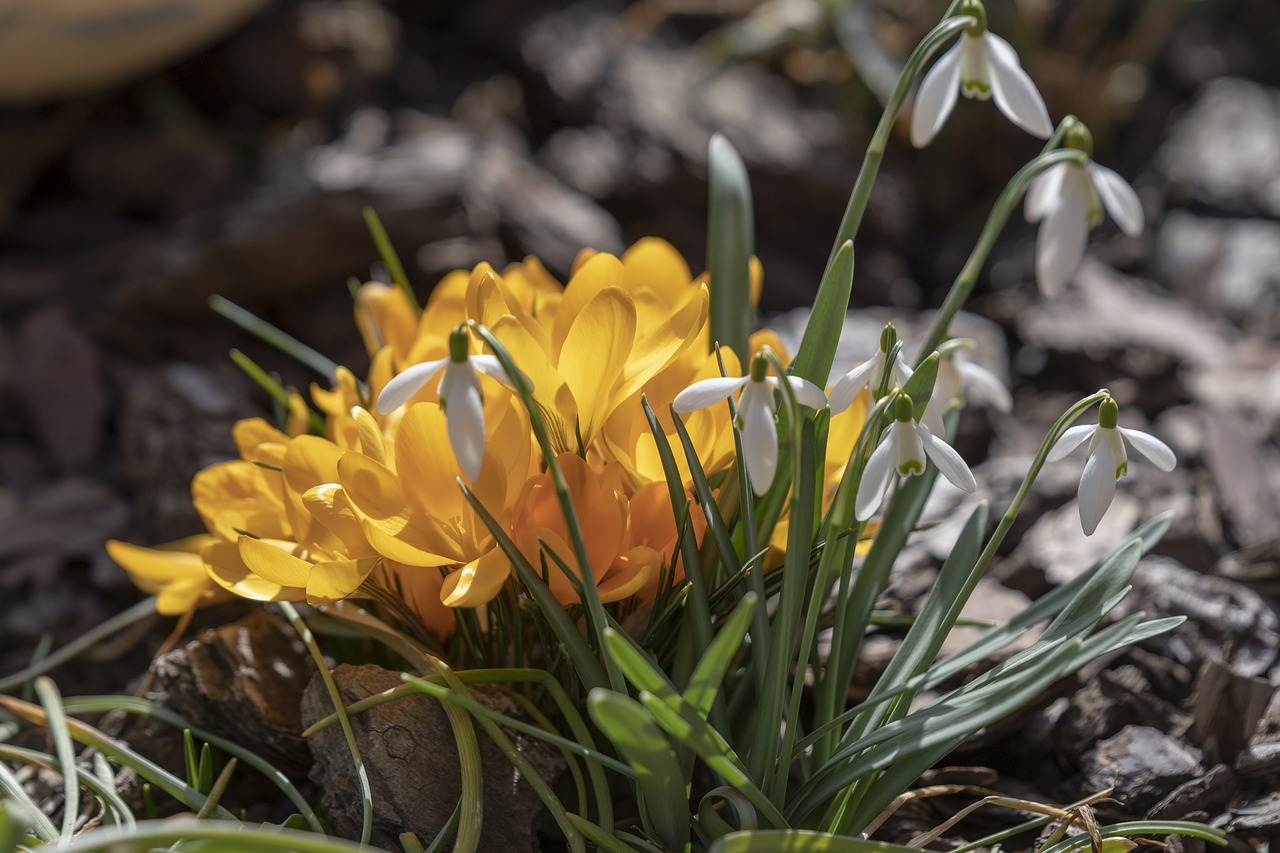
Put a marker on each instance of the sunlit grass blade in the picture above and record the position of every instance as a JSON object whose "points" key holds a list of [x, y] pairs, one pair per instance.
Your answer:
{"points": [[1145, 827], [822, 331], [89, 639], [209, 837], [104, 788], [730, 244], [800, 841], [144, 767], [51, 700], [663, 797], [217, 788], [709, 675], [274, 389], [387, 251], [26, 813], [716, 526], [271, 335], [919, 386], [362, 775], [605, 841]]}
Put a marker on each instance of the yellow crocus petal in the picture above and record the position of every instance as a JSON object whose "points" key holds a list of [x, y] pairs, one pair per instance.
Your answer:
{"points": [[477, 582], [297, 415], [425, 465], [659, 347], [538, 544], [174, 573], [385, 318], [334, 580], [330, 506], [271, 560], [599, 273], [631, 572], [843, 435], [370, 435], [309, 462], [549, 388], [653, 264], [594, 355], [223, 563], [258, 441], [387, 522], [768, 338], [419, 589]]}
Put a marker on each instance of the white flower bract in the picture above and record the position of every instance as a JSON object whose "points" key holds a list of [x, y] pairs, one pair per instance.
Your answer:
{"points": [[1070, 199], [963, 380], [1105, 463], [756, 416], [460, 397], [980, 66], [868, 373]]}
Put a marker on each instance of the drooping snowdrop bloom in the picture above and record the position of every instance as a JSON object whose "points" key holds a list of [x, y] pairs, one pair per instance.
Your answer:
{"points": [[757, 413], [1070, 198], [1106, 460], [983, 66], [902, 453], [460, 396], [962, 380], [870, 373]]}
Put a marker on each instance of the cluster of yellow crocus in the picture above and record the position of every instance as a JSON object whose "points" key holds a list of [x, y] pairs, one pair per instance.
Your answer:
{"points": [[374, 510]]}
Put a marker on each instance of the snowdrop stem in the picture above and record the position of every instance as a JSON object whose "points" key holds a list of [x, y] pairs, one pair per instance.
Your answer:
{"points": [[1055, 433], [596, 617], [857, 206], [1004, 206]]}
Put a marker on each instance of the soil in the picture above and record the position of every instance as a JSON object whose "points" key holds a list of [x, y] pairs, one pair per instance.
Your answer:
{"points": [[495, 129]]}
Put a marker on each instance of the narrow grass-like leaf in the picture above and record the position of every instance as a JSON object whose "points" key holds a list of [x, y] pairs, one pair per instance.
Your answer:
{"points": [[1108, 580], [11, 823], [387, 251], [26, 811], [273, 336], [217, 788], [585, 665], [800, 841], [716, 525], [596, 835], [95, 636], [1145, 827], [209, 837], [274, 389], [51, 699], [822, 331], [104, 788], [362, 776], [919, 386], [664, 799], [145, 768], [681, 723], [730, 244], [142, 707], [445, 836], [709, 675]]}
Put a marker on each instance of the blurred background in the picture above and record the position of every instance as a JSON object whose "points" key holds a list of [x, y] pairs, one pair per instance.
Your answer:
{"points": [[155, 152]]}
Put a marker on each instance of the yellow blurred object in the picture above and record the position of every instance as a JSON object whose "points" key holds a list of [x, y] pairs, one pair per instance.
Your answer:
{"points": [[51, 49]]}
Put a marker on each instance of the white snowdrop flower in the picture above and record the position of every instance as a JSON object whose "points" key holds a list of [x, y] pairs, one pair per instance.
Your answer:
{"points": [[1070, 199], [1106, 461], [757, 413], [870, 373], [962, 380], [984, 66], [460, 396], [902, 453]]}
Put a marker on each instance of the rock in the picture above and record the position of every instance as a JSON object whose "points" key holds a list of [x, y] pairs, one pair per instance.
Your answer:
{"points": [[1227, 708], [1206, 795], [244, 680], [408, 749], [1109, 702], [1141, 765]]}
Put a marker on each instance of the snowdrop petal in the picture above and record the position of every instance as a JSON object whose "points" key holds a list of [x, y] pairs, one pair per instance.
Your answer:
{"points": [[848, 386], [1097, 487], [1014, 93], [1119, 199], [875, 480], [1045, 192], [490, 366], [936, 98], [1152, 448], [1071, 439], [984, 386], [948, 461], [398, 391], [699, 395], [465, 420], [759, 442], [807, 393], [1060, 244]]}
